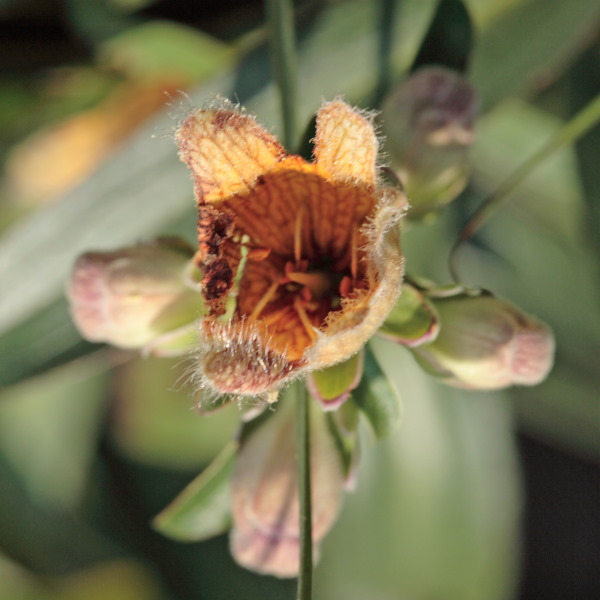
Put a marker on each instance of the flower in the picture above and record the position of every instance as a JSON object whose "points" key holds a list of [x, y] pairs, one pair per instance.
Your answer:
{"points": [[132, 296], [486, 343], [301, 261]]}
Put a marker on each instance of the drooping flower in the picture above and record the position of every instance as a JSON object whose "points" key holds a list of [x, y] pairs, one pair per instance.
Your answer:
{"points": [[301, 261]]}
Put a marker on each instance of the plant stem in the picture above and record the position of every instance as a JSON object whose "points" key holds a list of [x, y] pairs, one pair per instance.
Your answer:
{"points": [[582, 122], [280, 17], [304, 484]]}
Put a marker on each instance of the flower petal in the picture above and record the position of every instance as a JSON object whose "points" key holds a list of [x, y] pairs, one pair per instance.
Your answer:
{"points": [[350, 328], [226, 151], [345, 143]]}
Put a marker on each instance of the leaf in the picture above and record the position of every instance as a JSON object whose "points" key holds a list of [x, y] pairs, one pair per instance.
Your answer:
{"points": [[203, 509], [377, 398], [163, 49], [530, 45], [49, 428]]}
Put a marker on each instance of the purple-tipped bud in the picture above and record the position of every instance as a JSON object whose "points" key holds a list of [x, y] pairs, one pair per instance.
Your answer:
{"points": [[265, 537], [486, 343], [428, 122], [131, 296]]}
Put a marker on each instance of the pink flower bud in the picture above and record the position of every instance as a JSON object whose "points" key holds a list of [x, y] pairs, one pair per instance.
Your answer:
{"points": [[265, 536], [428, 122], [131, 296], [486, 343]]}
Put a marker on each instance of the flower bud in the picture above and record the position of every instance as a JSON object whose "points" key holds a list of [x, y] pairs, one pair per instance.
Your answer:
{"points": [[264, 495], [428, 123], [131, 296], [486, 343]]}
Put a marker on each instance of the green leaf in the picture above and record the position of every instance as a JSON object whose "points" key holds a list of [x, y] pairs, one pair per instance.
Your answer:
{"points": [[528, 44], [203, 509], [377, 398], [165, 49], [49, 428], [412, 321]]}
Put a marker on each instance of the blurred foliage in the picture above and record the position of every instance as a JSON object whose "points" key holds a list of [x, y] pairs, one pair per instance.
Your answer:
{"points": [[93, 443]]}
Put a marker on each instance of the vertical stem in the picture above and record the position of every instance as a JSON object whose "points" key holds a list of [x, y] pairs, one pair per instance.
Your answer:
{"points": [[303, 455], [280, 17]]}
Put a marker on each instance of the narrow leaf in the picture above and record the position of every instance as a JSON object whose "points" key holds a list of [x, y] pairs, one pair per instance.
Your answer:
{"points": [[377, 398], [203, 509]]}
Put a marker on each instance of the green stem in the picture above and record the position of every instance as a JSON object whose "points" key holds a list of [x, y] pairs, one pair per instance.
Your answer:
{"points": [[280, 17], [305, 572], [582, 122]]}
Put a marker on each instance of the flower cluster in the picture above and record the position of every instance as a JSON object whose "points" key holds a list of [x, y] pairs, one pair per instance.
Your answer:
{"points": [[298, 264]]}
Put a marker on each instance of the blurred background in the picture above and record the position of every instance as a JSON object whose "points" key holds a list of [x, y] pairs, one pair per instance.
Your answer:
{"points": [[477, 496]]}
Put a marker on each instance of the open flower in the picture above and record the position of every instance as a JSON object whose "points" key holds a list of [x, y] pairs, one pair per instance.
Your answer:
{"points": [[308, 251]]}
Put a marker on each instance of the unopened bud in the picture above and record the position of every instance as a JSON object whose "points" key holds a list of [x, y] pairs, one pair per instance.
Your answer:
{"points": [[428, 123], [486, 343], [131, 296], [266, 536]]}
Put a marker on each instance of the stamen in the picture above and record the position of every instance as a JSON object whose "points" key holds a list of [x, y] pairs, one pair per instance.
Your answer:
{"points": [[298, 235], [354, 255], [346, 286], [304, 319], [267, 297]]}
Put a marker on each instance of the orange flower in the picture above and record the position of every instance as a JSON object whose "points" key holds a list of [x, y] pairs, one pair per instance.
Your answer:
{"points": [[300, 260]]}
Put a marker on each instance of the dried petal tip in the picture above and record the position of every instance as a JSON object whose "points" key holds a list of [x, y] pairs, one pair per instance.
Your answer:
{"points": [[428, 122], [132, 296], [486, 343], [265, 536]]}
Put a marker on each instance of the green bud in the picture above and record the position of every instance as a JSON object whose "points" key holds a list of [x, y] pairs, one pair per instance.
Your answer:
{"points": [[428, 122], [132, 296], [486, 343]]}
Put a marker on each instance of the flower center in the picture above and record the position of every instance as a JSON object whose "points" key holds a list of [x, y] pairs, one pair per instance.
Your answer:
{"points": [[311, 288]]}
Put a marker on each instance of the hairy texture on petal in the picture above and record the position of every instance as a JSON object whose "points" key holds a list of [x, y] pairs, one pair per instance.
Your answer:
{"points": [[234, 358], [345, 143], [226, 151], [349, 329], [265, 535]]}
